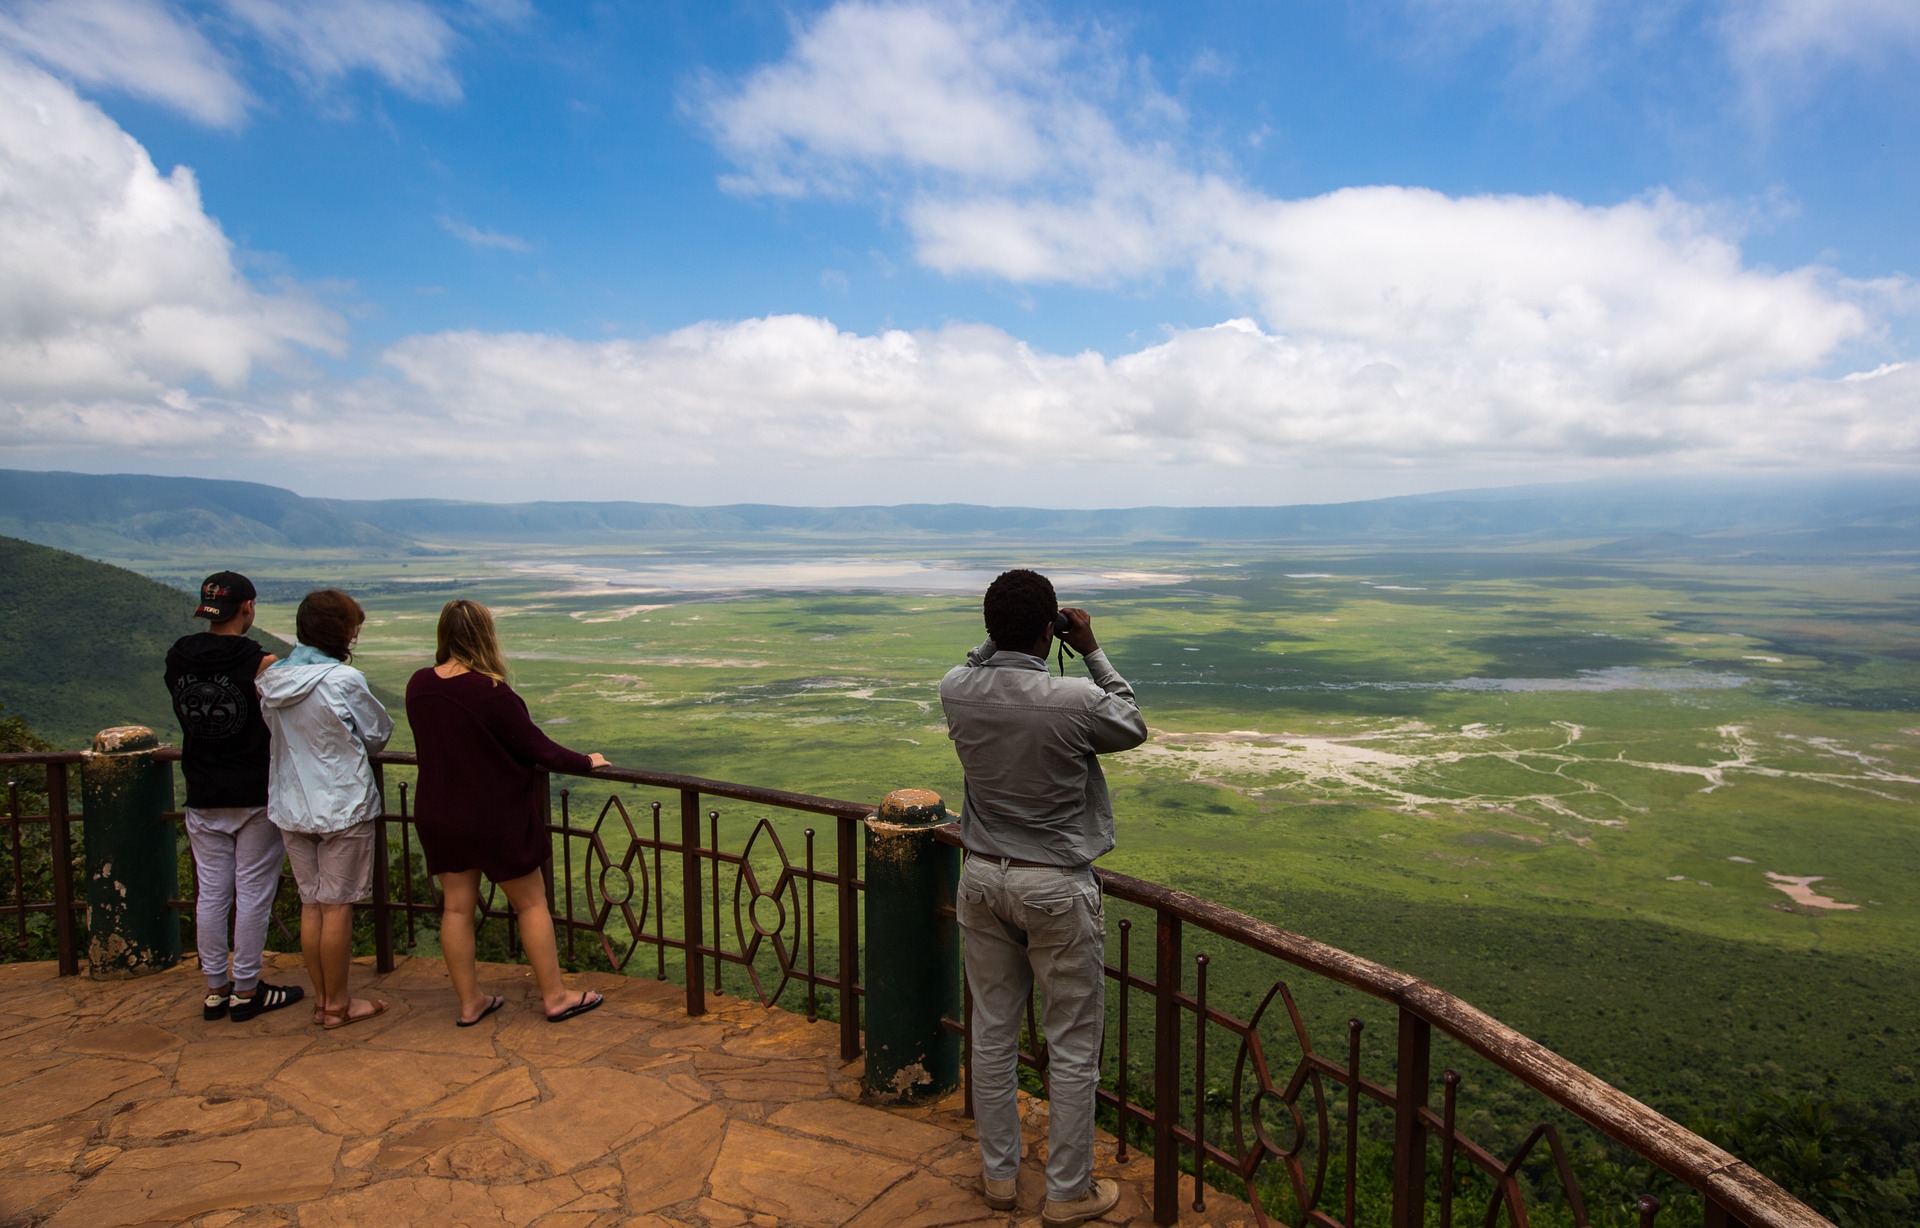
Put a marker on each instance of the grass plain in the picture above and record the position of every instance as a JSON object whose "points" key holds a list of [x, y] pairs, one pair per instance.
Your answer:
{"points": [[1554, 783], [1657, 811]]}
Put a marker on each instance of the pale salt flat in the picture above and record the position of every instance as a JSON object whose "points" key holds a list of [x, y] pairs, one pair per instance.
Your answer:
{"points": [[659, 662], [1613, 678], [613, 616], [1377, 766], [1402, 765], [1799, 888], [743, 575]]}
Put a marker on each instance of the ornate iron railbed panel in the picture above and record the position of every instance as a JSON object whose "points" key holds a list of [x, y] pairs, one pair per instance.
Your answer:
{"points": [[612, 883], [618, 879], [619, 902]]}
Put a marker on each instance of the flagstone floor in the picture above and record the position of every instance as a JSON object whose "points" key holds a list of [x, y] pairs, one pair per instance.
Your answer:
{"points": [[120, 1105]]}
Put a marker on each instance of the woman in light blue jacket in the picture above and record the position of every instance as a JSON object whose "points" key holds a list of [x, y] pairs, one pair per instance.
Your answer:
{"points": [[320, 789]]}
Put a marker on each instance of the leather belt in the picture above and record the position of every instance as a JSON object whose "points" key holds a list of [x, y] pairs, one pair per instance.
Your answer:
{"points": [[1030, 865]]}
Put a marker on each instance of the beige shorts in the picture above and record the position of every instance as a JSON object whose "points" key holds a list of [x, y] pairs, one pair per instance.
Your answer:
{"points": [[333, 868]]}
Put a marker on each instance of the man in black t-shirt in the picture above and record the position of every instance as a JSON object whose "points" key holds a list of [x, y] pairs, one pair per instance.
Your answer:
{"points": [[236, 851]]}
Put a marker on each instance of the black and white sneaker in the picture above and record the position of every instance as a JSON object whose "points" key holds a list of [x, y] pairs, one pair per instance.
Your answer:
{"points": [[265, 998], [214, 1004]]}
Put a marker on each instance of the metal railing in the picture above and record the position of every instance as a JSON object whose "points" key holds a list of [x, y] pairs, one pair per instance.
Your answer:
{"points": [[627, 871], [616, 883], [60, 902], [1731, 1192]]}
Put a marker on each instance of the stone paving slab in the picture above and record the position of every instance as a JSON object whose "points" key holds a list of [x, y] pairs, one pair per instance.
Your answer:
{"points": [[119, 1105]]}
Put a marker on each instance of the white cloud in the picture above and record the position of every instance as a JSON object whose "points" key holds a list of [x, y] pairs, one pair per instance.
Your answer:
{"points": [[1551, 32], [474, 236], [872, 84], [137, 47], [1780, 46], [406, 43], [1396, 329], [1645, 297], [1776, 48], [149, 49], [114, 282], [959, 92], [1634, 301], [793, 404]]}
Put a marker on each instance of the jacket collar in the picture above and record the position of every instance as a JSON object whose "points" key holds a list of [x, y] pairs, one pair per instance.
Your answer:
{"points": [[1012, 658]]}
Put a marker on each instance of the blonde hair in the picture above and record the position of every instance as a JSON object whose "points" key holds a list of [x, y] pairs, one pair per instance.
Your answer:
{"points": [[467, 637]]}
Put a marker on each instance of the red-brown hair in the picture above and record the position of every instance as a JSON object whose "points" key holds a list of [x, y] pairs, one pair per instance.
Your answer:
{"points": [[328, 620]]}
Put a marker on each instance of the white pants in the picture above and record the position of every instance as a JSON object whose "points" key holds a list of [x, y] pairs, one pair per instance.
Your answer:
{"points": [[236, 856]]}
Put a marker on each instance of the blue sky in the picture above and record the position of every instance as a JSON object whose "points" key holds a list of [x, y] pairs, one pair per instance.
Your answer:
{"points": [[1065, 254]]}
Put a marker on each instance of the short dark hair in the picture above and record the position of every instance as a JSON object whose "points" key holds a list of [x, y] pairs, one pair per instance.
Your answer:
{"points": [[328, 620], [1020, 605]]}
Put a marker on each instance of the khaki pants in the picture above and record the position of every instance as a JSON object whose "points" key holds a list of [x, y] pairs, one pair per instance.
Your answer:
{"points": [[1025, 926]]}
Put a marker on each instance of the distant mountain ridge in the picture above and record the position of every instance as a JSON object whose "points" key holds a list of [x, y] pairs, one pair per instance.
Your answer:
{"points": [[1583, 509], [124, 515]]}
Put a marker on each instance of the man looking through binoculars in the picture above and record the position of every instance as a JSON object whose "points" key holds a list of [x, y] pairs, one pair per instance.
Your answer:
{"points": [[1036, 816]]}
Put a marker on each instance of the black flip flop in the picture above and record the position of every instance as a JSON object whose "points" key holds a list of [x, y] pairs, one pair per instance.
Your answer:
{"points": [[578, 1008], [492, 1006]]}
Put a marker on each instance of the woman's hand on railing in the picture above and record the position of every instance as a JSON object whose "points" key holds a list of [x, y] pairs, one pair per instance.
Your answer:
{"points": [[597, 759]]}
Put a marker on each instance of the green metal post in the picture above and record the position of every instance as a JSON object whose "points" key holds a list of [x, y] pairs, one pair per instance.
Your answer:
{"points": [[132, 857], [913, 950]]}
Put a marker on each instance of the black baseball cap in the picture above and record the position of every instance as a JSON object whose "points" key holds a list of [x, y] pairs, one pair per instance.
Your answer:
{"points": [[222, 594]]}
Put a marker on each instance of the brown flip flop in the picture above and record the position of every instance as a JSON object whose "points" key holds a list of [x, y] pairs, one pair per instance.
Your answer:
{"points": [[341, 1019]]}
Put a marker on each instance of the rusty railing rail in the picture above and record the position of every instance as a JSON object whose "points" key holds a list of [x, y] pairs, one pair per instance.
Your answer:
{"points": [[612, 868], [58, 818], [1732, 1192], [609, 882]]}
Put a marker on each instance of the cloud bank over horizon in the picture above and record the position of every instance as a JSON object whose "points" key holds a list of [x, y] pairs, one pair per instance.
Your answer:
{"points": [[1383, 327]]}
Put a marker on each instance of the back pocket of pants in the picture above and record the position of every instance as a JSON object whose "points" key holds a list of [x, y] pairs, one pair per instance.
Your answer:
{"points": [[1054, 918]]}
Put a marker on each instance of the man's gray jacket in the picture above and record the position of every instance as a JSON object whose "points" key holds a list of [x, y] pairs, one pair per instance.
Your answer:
{"points": [[1028, 743]]}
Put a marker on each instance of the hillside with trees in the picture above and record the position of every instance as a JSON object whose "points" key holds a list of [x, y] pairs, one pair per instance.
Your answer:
{"points": [[82, 644]]}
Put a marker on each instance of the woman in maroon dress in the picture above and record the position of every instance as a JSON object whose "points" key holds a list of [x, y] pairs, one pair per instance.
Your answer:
{"points": [[481, 805]]}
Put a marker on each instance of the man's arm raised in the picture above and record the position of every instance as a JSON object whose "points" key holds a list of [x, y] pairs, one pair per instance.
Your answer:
{"points": [[1117, 723]]}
